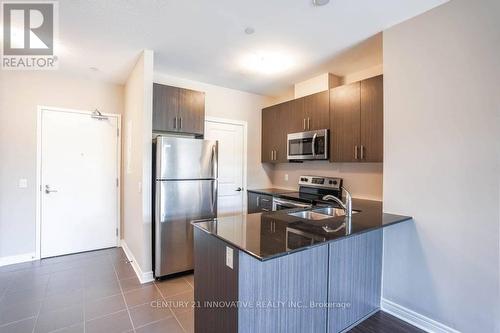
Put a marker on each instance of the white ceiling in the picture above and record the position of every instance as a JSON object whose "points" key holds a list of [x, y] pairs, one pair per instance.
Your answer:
{"points": [[204, 39]]}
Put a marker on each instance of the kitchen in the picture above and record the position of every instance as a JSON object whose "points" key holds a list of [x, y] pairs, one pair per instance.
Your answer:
{"points": [[246, 166]]}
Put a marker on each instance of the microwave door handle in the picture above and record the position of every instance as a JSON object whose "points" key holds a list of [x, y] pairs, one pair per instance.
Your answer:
{"points": [[314, 144]]}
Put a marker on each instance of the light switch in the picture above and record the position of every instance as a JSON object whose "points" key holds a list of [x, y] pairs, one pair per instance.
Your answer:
{"points": [[139, 187], [286, 177], [23, 183], [229, 257]]}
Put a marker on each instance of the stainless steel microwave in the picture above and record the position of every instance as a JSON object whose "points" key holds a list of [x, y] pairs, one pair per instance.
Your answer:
{"points": [[312, 145]]}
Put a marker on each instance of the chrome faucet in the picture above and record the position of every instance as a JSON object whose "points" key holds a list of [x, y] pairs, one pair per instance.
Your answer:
{"points": [[347, 206]]}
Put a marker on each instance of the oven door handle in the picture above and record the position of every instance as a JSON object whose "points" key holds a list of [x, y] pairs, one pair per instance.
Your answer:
{"points": [[314, 144], [291, 203]]}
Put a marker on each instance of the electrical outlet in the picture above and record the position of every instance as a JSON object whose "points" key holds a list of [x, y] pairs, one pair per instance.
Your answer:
{"points": [[286, 177]]}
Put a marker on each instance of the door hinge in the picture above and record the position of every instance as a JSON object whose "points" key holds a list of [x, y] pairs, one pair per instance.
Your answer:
{"points": [[116, 232], [117, 182]]}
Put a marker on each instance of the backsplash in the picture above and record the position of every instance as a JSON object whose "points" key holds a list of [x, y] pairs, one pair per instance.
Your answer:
{"points": [[363, 180]]}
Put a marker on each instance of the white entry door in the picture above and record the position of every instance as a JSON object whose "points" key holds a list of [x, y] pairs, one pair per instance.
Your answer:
{"points": [[230, 163], [78, 182]]}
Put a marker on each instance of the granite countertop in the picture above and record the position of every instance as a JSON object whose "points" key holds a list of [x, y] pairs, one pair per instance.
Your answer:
{"points": [[270, 235]]}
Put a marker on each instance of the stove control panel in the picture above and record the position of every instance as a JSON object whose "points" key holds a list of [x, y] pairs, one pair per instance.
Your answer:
{"points": [[323, 182]]}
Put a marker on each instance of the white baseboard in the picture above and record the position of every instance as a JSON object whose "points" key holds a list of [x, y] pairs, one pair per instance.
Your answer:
{"points": [[143, 277], [414, 318], [17, 259]]}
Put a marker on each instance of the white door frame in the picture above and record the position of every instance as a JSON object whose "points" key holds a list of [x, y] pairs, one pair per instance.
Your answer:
{"points": [[245, 131], [38, 219]]}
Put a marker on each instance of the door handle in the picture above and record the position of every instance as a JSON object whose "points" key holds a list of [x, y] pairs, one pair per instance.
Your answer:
{"points": [[314, 144], [239, 189], [48, 190]]}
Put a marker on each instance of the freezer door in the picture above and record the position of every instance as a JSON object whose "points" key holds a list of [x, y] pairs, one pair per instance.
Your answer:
{"points": [[185, 158], [177, 204]]}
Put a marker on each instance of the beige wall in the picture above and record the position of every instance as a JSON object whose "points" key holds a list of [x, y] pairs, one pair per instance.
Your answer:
{"points": [[233, 104], [316, 84], [363, 74], [136, 162], [20, 93], [441, 164], [363, 180]]}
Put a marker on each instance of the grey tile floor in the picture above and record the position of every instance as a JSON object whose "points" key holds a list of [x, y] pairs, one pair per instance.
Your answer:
{"points": [[91, 292]]}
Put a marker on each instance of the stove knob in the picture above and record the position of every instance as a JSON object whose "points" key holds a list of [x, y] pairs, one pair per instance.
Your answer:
{"points": [[334, 182]]}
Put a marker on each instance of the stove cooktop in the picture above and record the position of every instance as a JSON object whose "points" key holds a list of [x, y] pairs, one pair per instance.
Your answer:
{"points": [[302, 197]]}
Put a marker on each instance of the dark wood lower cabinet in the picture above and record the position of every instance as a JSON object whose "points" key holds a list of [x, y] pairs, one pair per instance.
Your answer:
{"points": [[327, 288], [257, 203], [214, 282]]}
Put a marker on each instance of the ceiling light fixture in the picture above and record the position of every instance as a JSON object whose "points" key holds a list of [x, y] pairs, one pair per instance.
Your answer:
{"points": [[249, 30], [267, 62], [320, 2]]}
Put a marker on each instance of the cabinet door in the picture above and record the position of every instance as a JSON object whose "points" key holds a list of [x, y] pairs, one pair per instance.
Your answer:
{"points": [[372, 119], [317, 110], [294, 119], [165, 107], [252, 203], [191, 111], [345, 123], [267, 144], [280, 131]]}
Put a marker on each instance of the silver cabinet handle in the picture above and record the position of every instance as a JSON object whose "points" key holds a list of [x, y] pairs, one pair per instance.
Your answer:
{"points": [[309, 123], [356, 152], [304, 124], [275, 155], [48, 190], [180, 122], [258, 201], [314, 144], [362, 148], [175, 122], [272, 155]]}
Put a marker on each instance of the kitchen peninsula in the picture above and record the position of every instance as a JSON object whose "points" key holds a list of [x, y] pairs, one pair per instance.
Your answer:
{"points": [[275, 272]]}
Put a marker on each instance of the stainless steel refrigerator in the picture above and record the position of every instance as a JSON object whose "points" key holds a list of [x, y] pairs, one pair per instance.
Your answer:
{"points": [[185, 189]]}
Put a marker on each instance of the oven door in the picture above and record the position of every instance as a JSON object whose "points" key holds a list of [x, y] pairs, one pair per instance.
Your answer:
{"points": [[312, 145], [281, 204]]}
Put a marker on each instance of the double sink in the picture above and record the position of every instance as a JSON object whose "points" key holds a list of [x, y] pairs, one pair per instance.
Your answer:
{"points": [[320, 213]]}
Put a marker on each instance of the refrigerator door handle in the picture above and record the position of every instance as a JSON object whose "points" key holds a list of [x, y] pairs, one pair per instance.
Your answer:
{"points": [[214, 161], [214, 198]]}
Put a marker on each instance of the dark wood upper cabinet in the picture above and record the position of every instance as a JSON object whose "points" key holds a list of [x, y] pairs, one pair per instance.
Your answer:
{"points": [[295, 116], [165, 107], [352, 112], [178, 110], [372, 119], [356, 121], [317, 111], [274, 130], [191, 111], [345, 123], [269, 116]]}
